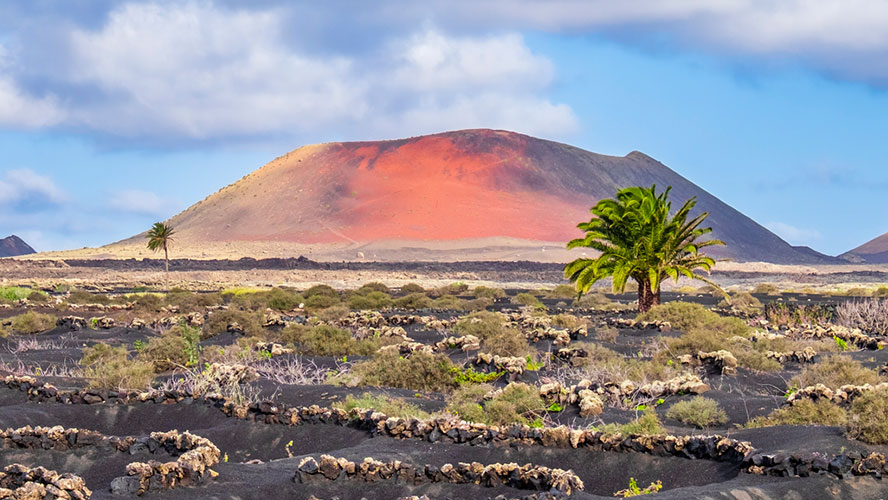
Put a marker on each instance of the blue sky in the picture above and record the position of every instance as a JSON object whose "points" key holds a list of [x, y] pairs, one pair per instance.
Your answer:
{"points": [[117, 114]]}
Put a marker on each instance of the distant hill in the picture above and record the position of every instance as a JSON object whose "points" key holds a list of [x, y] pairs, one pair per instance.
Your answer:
{"points": [[478, 194], [13, 245], [874, 251]]}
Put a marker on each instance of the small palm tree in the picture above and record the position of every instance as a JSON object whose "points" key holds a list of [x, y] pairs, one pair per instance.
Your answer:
{"points": [[638, 239], [159, 237]]}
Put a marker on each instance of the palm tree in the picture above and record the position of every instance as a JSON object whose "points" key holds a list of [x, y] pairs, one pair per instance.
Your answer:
{"points": [[159, 237], [638, 239]]}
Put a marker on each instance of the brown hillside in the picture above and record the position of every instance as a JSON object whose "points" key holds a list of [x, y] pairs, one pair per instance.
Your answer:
{"points": [[874, 251], [484, 190]]}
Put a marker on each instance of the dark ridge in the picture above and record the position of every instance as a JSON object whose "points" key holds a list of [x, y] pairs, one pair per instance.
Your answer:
{"points": [[13, 245]]}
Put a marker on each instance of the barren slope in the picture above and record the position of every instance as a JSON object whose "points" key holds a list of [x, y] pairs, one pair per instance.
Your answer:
{"points": [[874, 251]]}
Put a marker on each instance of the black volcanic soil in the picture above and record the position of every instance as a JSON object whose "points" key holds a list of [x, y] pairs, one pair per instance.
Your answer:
{"points": [[742, 396]]}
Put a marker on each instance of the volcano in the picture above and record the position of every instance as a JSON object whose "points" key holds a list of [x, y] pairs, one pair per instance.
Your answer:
{"points": [[13, 245], [481, 194], [874, 251]]}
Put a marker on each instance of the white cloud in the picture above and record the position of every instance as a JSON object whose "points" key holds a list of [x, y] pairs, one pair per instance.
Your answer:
{"points": [[18, 109], [25, 185], [141, 202], [794, 235], [846, 38], [203, 71]]}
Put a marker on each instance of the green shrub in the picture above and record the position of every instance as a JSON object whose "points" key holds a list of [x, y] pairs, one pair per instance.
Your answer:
{"points": [[321, 301], [84, 297], [412, 288], [526, 299], [29, 323], [513, 405], [648, 424], [38, 297], [166, 352], [803, 412], [326, 340], [413, 301], [419, 371], [867, 420], [488, 293], [326, 290], [373, 287], [882, 291], [371, 300], [108, 368], [146, 303], [698, 411], [835, 371], [390, 406]]}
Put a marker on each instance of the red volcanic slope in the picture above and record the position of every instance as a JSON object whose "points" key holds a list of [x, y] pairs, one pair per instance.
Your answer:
{"points": [[451, 186]]}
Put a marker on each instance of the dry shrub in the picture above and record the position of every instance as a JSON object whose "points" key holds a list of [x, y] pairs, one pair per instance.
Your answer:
{"points": [[218, 322], [320, 301], [766, 289], [28, 323], [743, 302], [332, 314], [507, 342], [84, 297], [419, 371], [108, 368], [604, 365], [518, 403], [869, 315], [835, 371], [526, 299], [867, 420], [562, 292], [803, 412], [483, 292], [607, 334], [597, 300], [451, 289], [568, 321], [388, 405], [481, 324], [190, 301], [413, 301], [698, 411], [176, 348]]}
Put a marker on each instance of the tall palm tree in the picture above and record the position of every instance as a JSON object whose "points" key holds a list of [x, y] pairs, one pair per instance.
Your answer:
{"points": [[159, 237], [638, 239]]}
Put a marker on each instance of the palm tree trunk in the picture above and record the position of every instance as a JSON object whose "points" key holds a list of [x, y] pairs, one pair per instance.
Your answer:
{"points": [[166, 259], [646, 298]]}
